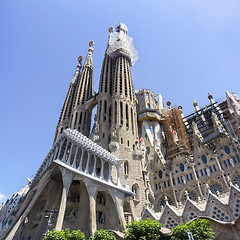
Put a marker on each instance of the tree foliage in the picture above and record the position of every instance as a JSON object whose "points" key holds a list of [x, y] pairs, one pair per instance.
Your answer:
{"points": [[200, 229], [143, 230], [102, 235], [64, 235]]}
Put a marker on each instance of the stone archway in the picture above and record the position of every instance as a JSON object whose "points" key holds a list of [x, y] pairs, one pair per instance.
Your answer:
{"points": [[106, 214], [77, 209]]}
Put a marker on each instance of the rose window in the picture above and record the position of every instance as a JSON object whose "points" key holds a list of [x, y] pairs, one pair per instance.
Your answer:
{"points": [[236, 180], [216, 188]]}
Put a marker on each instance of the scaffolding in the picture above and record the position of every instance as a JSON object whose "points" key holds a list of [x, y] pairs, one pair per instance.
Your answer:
{"points": [[177, 138]]}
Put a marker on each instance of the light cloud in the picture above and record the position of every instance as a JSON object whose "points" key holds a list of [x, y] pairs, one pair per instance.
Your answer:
{"points": [[2, 197]]}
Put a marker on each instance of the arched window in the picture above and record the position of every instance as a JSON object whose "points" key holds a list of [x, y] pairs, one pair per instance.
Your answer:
{"points": [[216, 188], [135, 190]]}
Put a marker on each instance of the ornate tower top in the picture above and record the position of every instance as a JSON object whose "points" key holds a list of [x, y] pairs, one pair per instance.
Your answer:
{"points": [[89, 60], [90, 51], [122, 28], [121, 44]]}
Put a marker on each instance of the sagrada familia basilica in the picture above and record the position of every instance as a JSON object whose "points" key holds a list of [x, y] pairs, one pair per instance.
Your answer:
{"points": [[141, 159]]}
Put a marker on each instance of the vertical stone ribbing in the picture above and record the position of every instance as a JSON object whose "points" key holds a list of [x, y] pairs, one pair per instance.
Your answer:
{"points": [[81, 117]]}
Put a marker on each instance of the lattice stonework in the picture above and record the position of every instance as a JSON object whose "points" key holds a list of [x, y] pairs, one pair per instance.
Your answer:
{"points": [[236, 211], [219, 214], [170, 223], [192, 215]]}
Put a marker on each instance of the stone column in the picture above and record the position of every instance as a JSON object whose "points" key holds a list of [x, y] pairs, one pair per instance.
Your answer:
{"points": [[27, 205], [118, 177], [110, 172], [92, 192], [80, 163], [65, 152], [102, 166], [118, 199], [69, 156], [87, 166], [60, 149], [196, 180], [94, 167], [220, 169], [75, 158], [174, 193], [67, 177]]}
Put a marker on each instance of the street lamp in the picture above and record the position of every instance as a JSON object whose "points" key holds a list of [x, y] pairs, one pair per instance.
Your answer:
{"points": [[49, 216]]}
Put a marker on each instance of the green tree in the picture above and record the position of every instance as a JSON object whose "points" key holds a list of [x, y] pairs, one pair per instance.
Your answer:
{"points": [[143, 230], [200, 229], [102, 235], [64, 235]]}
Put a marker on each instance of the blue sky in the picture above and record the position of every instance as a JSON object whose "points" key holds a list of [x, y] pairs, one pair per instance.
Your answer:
{"points": [[186, 49]]}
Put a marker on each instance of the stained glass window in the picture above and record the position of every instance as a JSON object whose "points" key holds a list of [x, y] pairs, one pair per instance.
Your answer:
{"points": [[227, 149], [204, 159]]}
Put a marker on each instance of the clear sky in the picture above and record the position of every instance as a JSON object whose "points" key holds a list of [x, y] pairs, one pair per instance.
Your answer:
{"points": [[186, 48]]}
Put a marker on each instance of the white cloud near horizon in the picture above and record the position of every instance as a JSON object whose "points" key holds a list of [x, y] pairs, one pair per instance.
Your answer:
{"points": [[2, 197]]}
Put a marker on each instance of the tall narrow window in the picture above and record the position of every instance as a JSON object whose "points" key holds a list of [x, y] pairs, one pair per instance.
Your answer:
{"points": [[127, 116], [121, 112], [80, 119], [110, 114], [100, 110], [116, 112], [76, 116], [132, 121], [126, 168], [105, 106]]}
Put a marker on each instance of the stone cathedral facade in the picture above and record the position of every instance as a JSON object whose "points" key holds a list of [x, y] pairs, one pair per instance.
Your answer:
{"points": [[140, 159]]}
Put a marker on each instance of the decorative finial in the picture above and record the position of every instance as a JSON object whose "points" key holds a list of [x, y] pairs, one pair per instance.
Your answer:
{"points": [[79, 66], [207, 188], [186, 194], [110, 30], [90, 51], [166, 199], [229, 180], [91, 43], [195, 104], [180, 109], [210, 96], [80, 58]]}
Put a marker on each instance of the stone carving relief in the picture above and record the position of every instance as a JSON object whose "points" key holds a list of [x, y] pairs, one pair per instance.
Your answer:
{"points": [[100, 217], [71, 214]]}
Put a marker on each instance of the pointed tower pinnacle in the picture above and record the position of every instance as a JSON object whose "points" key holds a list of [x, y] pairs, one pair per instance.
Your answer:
{"points": [[64, 119], [116, 115], [81, 116]]}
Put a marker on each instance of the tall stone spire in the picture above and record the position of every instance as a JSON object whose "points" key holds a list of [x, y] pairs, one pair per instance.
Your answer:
{"points": [[116, 122], [81, 116], [64, 119], [116, 113], [104, 108]]}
